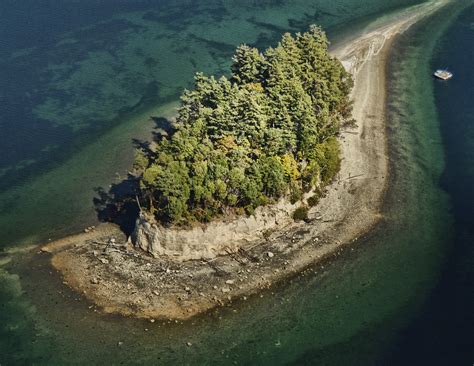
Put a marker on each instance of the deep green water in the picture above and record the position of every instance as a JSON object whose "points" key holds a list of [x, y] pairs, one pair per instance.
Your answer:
{"points": [[443, 330], [403, 295]]}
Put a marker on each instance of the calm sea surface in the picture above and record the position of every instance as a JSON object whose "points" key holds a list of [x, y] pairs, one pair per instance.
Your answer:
{"points": [[79, 82]]}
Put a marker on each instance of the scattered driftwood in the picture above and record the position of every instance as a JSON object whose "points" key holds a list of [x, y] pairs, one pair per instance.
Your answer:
{"points": [[130, 254], [99, 242], [107, 246], [249, 256], [218, 270], [350, 177], [351, 132], [236, 258], [355, 176]]}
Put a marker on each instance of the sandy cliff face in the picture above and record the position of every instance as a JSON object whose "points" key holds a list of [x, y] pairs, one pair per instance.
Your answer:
{"points": [[206, 242]]}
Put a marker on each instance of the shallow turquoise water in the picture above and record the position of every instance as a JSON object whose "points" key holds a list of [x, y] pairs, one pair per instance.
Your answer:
{"points": [[365, 308]]}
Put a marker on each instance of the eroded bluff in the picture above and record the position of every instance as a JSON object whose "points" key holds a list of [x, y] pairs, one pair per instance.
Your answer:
{"points": [[216, 238]]}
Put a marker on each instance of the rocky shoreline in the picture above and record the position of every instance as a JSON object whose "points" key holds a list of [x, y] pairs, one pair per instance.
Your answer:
{"points": [[111, 273]]}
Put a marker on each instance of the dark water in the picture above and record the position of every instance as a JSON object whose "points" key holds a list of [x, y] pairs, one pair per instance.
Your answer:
{"points": [[86, 86], [443, 332]]}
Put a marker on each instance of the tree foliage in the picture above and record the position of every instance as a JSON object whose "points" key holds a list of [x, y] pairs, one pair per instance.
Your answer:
{"points": [[245, 141]]}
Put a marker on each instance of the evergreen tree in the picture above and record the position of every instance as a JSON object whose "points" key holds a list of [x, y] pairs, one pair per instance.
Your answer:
{"points": [[247, 65], [267, 132]]}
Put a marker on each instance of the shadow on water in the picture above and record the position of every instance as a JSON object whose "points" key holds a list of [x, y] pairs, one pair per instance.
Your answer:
{"points": [[119, 204]]}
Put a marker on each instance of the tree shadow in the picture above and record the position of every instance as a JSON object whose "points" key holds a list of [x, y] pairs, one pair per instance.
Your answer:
{"points": [[119, 204], [162, 129]]}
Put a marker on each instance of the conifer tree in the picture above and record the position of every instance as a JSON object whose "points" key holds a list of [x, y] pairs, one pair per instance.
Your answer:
{"points": [[267, 132], [247, 65]]}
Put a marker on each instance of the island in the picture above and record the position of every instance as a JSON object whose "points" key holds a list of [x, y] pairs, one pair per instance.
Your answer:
{"points": [[265, 175], [248, 154]]}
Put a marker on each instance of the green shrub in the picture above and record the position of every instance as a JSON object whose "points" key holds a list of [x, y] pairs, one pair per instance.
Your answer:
{"points": [[301, 213], [331, 160], [296, 194], [314, 199], [249, 210]]}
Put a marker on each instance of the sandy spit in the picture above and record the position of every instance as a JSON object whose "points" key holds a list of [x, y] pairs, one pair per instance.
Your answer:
{"points": [[119, 279]]}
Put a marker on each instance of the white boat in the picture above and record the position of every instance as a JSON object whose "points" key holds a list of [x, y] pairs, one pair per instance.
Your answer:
{"points": [[443, 74]]}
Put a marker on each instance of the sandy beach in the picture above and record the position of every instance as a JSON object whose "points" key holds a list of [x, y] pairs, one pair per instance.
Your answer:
{"points": [[104, 267]]}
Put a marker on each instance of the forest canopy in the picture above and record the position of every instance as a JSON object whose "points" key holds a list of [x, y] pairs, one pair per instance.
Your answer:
{"points": [[241, 142]]}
